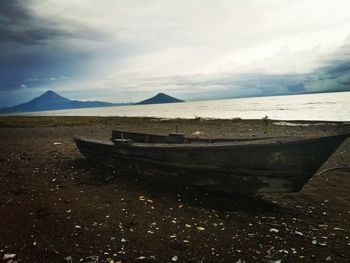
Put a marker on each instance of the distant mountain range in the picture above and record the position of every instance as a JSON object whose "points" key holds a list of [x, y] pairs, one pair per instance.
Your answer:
{"points": [[159, 98], [52, 101]]}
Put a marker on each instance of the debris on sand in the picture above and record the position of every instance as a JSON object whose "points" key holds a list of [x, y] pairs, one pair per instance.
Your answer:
{"points": [[274, 230], [92, 259], [299, 233], [8, 256], [68, 259], [198, 133]]}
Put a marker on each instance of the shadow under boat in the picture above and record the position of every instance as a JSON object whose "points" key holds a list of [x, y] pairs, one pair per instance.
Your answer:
{"points": [[96, 174]]}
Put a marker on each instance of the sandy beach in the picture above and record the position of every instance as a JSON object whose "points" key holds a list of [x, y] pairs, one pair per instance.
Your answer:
{"points": [[57, 207]]}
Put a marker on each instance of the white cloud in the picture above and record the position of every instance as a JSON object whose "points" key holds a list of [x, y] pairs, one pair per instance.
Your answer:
{"points": [[150, 45]]}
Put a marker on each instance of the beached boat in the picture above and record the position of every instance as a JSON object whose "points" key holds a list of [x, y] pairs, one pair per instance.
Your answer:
{"points": [[247, 166]]}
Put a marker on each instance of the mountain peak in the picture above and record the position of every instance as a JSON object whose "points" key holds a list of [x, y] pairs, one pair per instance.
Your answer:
{"points": [[49, 92], [49, 98], [160, 98]]}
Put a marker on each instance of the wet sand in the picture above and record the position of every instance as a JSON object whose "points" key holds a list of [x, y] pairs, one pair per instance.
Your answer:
{"points": [[56, 205]]}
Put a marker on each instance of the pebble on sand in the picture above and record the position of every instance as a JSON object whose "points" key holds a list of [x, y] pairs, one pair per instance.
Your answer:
{"points": [[8, 256]]}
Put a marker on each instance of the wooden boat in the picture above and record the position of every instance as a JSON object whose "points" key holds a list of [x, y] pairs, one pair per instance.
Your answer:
{"points": [[247, 166]]}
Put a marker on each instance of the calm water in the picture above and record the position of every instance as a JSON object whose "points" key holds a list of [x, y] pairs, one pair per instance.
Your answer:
{"points": [[325, 106]]}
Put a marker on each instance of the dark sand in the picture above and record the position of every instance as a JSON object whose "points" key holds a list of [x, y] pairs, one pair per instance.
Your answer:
{"points": [[54, 204]]}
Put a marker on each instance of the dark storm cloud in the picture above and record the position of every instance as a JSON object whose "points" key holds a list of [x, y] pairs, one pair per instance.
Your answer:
{"points": [[35, 48], [18, 25], [42, 65], [340, 73]]}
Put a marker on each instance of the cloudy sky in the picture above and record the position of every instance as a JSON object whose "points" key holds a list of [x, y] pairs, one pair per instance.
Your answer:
{"points": [[124, 51]]}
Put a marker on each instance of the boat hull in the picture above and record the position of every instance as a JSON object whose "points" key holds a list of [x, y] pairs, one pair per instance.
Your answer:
{"points": [[241, 167]]}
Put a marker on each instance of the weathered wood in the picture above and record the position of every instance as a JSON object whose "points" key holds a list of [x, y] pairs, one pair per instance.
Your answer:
{"points": [[231, 165]]}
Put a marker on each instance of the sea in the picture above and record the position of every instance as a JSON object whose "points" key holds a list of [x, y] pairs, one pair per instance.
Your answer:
{"points": [[316, 107]]}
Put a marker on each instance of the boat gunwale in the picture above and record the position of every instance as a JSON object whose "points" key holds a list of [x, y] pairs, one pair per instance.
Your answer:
{"points": [[271, 142]]}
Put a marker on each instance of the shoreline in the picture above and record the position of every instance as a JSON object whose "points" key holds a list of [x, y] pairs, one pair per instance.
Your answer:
{"points": [[58, 205], [47, 121]]}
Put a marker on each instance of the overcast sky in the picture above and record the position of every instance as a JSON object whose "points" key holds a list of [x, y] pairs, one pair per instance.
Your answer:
{"points": [[124, 51]]}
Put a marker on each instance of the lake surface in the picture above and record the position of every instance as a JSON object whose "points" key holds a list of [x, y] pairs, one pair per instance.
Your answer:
{"points": [[323, 106]]}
